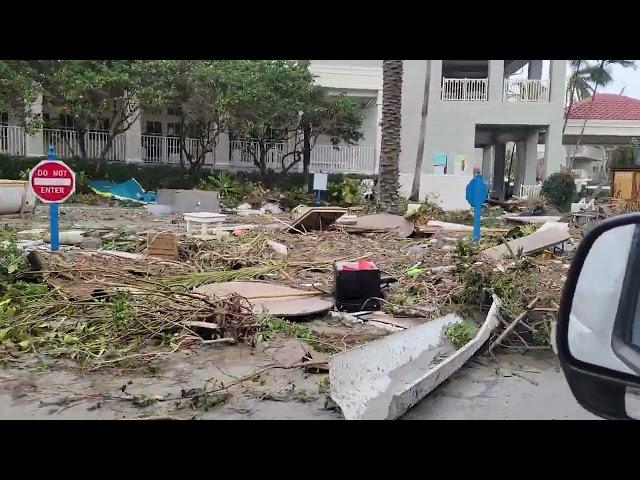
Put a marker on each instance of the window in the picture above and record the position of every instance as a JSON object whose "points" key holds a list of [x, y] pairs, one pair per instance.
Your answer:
{"points": [[174, 129], [175, 111], [66, 122], [102, 125], [154, 128], [4, 119]]}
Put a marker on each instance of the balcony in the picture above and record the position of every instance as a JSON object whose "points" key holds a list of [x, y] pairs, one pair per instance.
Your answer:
{"points": [[67, 144], [465, 89], [526, 90]]}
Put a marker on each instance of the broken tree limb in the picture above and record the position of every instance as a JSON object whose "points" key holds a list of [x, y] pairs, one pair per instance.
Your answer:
{"points": [[514, 323]]}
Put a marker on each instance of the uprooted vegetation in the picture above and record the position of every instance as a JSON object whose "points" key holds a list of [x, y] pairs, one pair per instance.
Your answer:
{"points": [[104, 311]]}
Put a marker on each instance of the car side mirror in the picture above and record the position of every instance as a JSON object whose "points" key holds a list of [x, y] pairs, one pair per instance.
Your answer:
{"points": [[598, 330]]}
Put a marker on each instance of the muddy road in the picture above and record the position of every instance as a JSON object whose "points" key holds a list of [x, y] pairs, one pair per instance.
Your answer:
{"points": [[511, 387]]}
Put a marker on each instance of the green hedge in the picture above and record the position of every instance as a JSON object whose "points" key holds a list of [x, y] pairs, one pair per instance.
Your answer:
{"points": [[152, 177]]}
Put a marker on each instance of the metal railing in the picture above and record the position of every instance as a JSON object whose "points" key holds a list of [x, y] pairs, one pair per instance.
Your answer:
{"points": [[158, 149], [241, 154], [67, 144], [343, 159], [465, 89], [12, 140], [530, 191], [526, 90]]}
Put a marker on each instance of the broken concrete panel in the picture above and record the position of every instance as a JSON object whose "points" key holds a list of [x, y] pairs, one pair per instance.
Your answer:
{"points": [[184, 201], [365, 379], [384, 378]]}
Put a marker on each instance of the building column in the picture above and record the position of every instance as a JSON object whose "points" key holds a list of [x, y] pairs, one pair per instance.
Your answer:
{"points": [[555, 157], [378, 132], [221, 152], [487, 163], [498, 171], [435, 80], [558, 81], [133, 142], [496, 80], [531, 156], [34, 142], [535, 70], [521, 153]]}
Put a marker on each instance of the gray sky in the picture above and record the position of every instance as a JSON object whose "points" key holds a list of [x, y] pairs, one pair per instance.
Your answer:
{"points": [[626, 78]]}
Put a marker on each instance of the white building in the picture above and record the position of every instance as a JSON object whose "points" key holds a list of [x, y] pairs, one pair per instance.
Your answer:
{"points": [[475, 107]]}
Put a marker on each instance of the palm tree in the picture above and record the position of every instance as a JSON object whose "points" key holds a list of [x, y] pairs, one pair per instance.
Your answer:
{"points": [[598, 74], [415, 189], [586, 76], [391, 123]]}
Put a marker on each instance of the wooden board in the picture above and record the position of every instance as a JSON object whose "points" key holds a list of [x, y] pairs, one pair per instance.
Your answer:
{"points": [[317, 218], [162, 245], [548, 235], [278, 300], [382, 223]]}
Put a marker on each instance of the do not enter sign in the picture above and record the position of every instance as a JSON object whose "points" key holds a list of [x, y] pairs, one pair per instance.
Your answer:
{"points": [[52, 181]]}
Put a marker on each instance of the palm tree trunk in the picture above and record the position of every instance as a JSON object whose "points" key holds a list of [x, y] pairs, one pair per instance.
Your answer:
{"points": [[572, 89], [391, 123], [415, 188], [584, 124]]}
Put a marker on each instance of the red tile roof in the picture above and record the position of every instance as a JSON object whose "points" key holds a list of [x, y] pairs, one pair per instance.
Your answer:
{"points": [[606, 106]]}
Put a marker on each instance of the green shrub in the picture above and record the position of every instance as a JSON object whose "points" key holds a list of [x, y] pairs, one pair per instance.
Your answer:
{"points": [[559, 190]]}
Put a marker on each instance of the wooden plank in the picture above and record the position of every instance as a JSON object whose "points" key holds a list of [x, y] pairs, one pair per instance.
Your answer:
{"points": [[548, 235], [162, 245]]}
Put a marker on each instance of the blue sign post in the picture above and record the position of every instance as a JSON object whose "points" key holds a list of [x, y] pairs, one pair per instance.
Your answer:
{"points": [[54, 225], [476, 195]]}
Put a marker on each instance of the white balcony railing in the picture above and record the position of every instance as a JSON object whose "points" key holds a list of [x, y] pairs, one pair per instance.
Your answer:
{"points": [[12, 140], [325, 158], [158, 149], [526, 90], [465, 89], [241, 154], [343, 159], [67, 144], [530, 191]]}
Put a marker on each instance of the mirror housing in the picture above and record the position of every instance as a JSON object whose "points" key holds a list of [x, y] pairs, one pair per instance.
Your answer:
{"points": [[597, 336]]}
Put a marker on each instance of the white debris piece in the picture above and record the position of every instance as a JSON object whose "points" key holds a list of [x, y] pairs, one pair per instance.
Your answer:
{"points": [[384, 378], [279, 248]]}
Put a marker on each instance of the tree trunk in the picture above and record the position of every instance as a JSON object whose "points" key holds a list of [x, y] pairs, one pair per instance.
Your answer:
{"points": [[82, 142], [391, 122], [415, 188], [262, 160], [306, 152], [101, 163]]}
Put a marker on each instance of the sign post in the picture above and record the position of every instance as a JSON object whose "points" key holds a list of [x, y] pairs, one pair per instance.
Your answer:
{"points": [[53, 182], [476, 195]]}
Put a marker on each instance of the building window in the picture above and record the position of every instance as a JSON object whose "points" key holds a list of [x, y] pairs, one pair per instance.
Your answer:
{"points": [[175, 111], [154, 128], [66, 122], [174, 129], [102, 125]]}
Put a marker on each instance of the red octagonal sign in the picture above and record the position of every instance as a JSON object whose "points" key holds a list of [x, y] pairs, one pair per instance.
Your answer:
{"points": [[52, 181]]}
